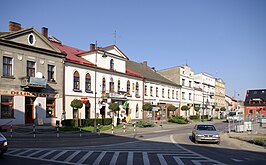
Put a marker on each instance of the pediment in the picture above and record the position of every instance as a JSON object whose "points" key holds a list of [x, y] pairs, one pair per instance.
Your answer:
{"points": [[116, 51], [30, 37]]}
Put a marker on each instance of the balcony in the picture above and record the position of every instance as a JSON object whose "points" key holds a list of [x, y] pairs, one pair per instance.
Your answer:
{"points": [[33, 82]]}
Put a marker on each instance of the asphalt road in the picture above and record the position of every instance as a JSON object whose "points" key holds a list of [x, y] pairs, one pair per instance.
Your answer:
{"points": [[169, 145]]}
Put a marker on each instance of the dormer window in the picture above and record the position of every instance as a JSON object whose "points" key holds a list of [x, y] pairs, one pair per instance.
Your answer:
{"points": [[111, 64]]}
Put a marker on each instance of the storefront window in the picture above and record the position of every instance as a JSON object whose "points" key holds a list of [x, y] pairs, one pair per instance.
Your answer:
{"points": [[50, 107], [7, 110]]}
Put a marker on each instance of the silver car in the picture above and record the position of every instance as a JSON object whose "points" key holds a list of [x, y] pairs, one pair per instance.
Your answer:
{"points": [[205, 133]]}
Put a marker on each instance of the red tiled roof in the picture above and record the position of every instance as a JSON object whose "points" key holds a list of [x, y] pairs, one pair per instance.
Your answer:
{"points": [[72, 54], [133, 73]]}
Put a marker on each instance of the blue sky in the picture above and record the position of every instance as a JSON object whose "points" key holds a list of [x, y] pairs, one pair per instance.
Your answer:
{"points": [[225, 38]]}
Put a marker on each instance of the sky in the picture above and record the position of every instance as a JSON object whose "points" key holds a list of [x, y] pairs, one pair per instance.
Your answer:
{"points": [[225, 38]]}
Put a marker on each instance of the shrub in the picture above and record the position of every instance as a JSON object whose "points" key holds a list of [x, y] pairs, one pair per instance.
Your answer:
{"points": [[144, 124], [194, 117], [147, 107], [86, 122], [171, 108], [259, 141], [178, 120], [76, 104]]}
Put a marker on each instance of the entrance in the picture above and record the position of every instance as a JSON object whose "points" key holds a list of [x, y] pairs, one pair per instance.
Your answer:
{"points": [[29, 109]]}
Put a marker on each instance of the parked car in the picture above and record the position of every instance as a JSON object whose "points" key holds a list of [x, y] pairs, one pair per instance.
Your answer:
{"points": [[205, 133], [3, 144], [235, 116]]}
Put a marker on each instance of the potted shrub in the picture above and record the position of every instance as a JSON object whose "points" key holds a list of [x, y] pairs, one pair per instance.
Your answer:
{"points": [[185, 108], [147, 107], [115, 108], [171, 108], [76, 105]]}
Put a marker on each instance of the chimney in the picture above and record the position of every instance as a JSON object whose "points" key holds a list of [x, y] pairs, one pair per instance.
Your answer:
{"points": [[13, 26], [45, 32], [145, 64], [92, 47]]}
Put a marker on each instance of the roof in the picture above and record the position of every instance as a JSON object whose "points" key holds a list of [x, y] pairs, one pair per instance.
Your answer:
{"points": [[72, 54], [258, 95], [148, 73]]}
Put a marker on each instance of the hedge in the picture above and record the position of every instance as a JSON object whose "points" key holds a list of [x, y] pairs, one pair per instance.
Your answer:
{"points": [[86, 122]]}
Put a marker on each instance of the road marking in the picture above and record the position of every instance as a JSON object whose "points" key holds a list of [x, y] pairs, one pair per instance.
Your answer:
{"points": [[178, 161], [114, 158], [130, 158], [58, 155], [161, 131], [84, 157], [100, 157], [46, 154], [72, 156], [36, 152], [145, 158], [237, 160], [24, 152], [161, 159]]}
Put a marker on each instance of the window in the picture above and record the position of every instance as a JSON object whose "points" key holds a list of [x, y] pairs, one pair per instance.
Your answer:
{"points": [[50, 107], [111, 85], [157, 90], [88, 83], [76, 81], [7, 66], [183, 95], [168, 93], [112, 64], [176, 95], [145, 90], [51, 73], [128, 87], [151, 88], [103, 86], [7, 110], [163, 92], [190, 96], [30, 69], [137, 88], [118, 85], [137, 111], [190, 84], [183, 82], [173, 94]]}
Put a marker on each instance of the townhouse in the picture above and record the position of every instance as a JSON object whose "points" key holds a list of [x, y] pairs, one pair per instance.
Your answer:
{"points": [[183, 76], [219, 96], [31, 77], [158, 90]]}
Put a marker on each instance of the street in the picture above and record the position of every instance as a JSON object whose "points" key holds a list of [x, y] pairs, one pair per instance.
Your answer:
{"points": [[169, 145]]}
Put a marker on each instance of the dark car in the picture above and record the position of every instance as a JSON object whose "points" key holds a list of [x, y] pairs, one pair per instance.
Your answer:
{"points": [[3, 144], [205, 133]]}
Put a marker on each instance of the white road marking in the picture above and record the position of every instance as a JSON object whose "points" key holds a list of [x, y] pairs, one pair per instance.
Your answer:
{"points": [[71, 156], [84, 157], [130, 158], [100, 157], [58, 155], [145, 158], [161, 159], [114, 158]]}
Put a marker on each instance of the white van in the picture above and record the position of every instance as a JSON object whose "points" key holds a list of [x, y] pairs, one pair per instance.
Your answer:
{"points": [[235, 116]]}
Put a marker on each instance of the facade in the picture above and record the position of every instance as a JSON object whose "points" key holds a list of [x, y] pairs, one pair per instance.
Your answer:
{"points": [[255, 104], [208, 88], [183, 76], [219, 96], [105, 67], [230, 104], [158, 91], [31, 77]]}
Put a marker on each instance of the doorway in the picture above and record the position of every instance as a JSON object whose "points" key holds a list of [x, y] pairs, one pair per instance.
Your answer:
{"points": [[29, 109]]}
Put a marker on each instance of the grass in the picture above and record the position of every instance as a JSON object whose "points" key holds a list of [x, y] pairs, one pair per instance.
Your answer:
{"points": [[89, 129], [259, 141]]}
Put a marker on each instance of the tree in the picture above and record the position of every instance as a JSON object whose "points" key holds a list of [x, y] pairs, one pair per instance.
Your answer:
{"points": [[147, 107], [171, 108], [185, 108], [216, 109], [76, 104], [197, 109], [115, 108]]}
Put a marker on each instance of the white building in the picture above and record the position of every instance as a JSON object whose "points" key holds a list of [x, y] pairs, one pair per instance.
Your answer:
{"points": [[207, 83], [105, 67]]}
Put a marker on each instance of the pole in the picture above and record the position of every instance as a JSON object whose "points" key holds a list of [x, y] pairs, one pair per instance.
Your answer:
{"points": [[95, 129], [11, 131], [112, 128]]}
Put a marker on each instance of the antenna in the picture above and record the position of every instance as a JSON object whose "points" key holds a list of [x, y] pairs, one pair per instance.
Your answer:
{"points": [[114, 37]]}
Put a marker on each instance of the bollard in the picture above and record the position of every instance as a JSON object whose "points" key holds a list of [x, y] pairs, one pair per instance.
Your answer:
{"points": [[34, 131], [11, 131], [112, 128], [98, 129], [134, 127], [124, 127], [80, 131], [57, 130]]}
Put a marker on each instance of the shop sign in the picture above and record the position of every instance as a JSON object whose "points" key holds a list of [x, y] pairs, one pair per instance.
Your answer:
{"points": [[24, 93]]}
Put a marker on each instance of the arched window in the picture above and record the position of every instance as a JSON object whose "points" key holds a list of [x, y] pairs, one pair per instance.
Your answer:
{"points": [[137, 111], [128, 87], [137, 88], [103, 85], [118, 86], [163, 93], [76, 80], [112, 64], [111, 85], [88, 82]]}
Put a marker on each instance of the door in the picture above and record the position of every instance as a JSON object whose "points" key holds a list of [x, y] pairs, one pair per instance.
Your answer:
{"points": [[29, 110]]}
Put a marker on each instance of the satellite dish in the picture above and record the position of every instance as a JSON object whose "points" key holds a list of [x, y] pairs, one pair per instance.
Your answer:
{"points": [[38, 75]]}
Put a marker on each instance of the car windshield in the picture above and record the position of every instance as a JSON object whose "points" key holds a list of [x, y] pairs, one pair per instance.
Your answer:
{"points": [[232, 114], [206, 128]]}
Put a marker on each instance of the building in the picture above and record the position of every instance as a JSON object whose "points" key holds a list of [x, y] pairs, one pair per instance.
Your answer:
{"points": [[255, 104], [101, 77], [219, 96], [31, 77], [158, 90], [183, 76], [208, 88], [230, 104]]}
